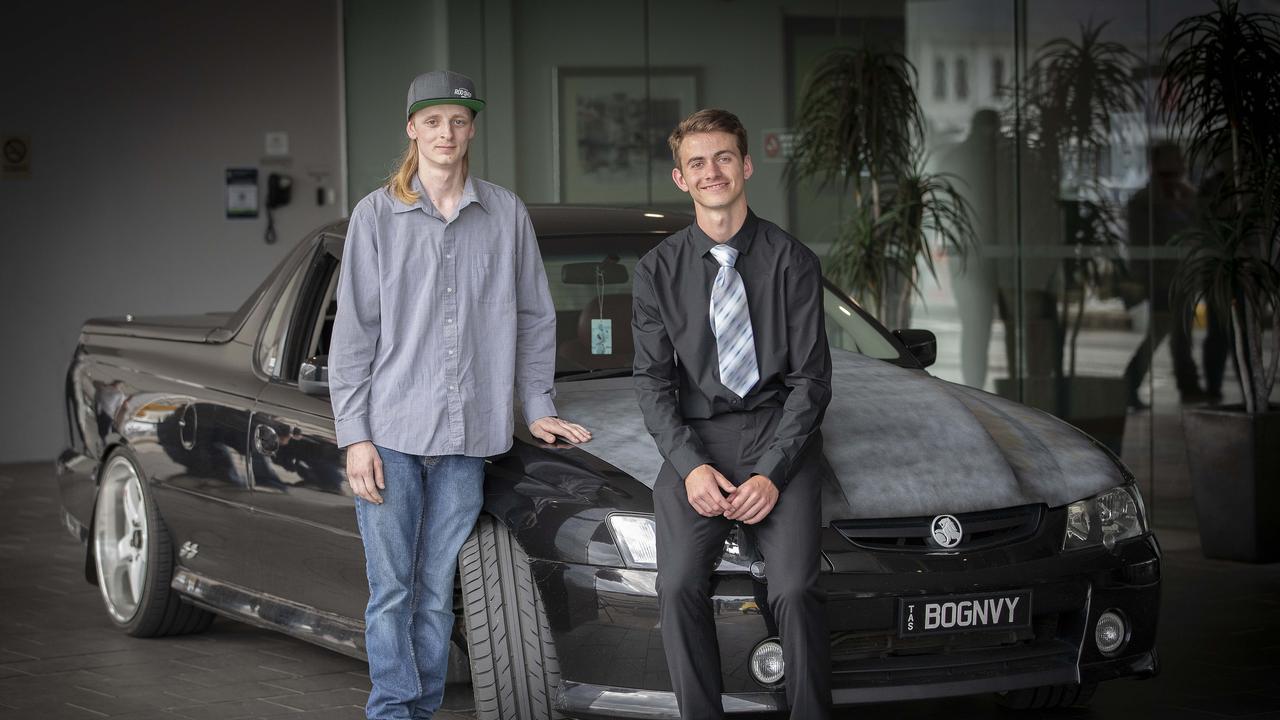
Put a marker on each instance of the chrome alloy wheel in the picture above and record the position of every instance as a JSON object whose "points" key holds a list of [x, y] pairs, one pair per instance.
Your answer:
{"points": [[120, 539]]}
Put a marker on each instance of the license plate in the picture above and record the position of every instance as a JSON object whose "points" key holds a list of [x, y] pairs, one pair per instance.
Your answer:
{"points": [[964, 613]]}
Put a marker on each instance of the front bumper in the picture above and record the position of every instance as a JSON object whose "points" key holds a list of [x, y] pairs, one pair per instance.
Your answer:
{"points": [[604, 621]]}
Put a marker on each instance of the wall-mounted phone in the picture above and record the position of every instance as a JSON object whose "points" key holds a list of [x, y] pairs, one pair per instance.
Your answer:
{"points": [[279, 193]]}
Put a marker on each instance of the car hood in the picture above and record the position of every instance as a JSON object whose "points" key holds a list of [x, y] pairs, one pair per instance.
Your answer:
{"points": [[899, 442]]}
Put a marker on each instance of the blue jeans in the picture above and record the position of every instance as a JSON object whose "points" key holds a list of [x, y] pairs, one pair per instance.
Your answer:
{"points": [[411, 544]]}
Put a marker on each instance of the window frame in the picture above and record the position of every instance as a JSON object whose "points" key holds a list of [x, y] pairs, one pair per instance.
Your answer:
{"points": [[281, 294], [324, 261]]}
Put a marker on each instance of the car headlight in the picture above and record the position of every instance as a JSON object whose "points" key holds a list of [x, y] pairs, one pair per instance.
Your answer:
{"points": [[634, 536], [736, 556], [1104, 519]]}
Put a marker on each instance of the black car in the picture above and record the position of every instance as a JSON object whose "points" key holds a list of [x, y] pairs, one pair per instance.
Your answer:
{"points": [[970, 544]]}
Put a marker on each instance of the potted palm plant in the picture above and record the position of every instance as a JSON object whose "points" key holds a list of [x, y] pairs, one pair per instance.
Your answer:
{"points": [[1063, 115], [861, 129], [1220, 93]]}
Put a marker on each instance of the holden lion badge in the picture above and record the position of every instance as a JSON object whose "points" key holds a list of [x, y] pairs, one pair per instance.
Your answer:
{"points": [[946, 531]]}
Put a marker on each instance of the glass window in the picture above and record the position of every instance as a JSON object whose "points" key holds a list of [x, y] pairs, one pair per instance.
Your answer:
{"points": [[322, 330], [939, 79], [997, 77], [962, 79], [847, 329], [271, 343]]}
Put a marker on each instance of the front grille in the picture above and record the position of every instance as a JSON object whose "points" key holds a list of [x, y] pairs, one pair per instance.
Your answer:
{"points": [[985, 529]]}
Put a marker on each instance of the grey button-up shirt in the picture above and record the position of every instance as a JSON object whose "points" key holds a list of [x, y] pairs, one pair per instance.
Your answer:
{"points": [[438, 319]]}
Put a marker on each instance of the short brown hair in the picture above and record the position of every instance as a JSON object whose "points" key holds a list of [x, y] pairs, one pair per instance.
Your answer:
{"points": [[707, 121]]}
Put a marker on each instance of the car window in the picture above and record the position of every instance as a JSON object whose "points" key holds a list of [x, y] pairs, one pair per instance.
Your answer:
{"points": [[309, 324], [848, 330], [322, 327], [590, 279], [271, 343]]}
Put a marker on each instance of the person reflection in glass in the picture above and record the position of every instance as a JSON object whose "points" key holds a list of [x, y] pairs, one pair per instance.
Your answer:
{"points": [[1156, 214], [975, 278]]}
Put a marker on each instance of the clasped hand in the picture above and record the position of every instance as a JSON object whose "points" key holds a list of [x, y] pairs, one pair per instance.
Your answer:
{"points": [[711, 494]]}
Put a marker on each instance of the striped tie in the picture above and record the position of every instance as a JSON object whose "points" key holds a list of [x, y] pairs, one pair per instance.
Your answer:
{"points": [[731, 323]]}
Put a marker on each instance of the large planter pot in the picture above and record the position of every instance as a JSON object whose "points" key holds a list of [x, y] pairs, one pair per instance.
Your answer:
{"points": [[1235, 479], [1096, 405]]}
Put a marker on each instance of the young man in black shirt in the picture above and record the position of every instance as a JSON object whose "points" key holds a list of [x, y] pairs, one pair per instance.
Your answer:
{"points": [[733, 375]]}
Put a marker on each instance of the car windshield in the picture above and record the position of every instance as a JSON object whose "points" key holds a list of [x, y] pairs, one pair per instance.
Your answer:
{"points": [[590, 279]]}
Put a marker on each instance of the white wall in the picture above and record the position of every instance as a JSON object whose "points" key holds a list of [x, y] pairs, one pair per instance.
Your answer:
{"points": [[134, 112]]}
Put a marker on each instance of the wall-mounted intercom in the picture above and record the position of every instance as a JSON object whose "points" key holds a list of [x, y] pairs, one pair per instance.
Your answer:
{"points": [[279, 193]]}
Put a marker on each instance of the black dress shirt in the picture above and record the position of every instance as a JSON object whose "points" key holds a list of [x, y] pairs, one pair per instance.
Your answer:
{"points": [[677, 370]]}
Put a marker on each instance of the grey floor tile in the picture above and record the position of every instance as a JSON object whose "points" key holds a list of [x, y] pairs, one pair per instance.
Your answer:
{"points": [[321, 699], [228, 710], [226, 676], [232, 660], [193, 693], [328, 681], [351, 712]]}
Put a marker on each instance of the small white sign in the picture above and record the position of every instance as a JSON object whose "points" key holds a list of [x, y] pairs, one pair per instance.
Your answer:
{"points": [[242, 201], [242, 192], [277, 144]]}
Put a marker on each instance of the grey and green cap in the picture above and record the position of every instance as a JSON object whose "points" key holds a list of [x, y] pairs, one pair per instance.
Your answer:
{"points": [[442, 87]]}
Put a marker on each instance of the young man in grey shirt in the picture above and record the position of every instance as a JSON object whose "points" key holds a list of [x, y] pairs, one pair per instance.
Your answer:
{"points": [[443, 309]]}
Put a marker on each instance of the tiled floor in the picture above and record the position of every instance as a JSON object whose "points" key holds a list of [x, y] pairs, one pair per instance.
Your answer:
{"points": [[60, 658]]}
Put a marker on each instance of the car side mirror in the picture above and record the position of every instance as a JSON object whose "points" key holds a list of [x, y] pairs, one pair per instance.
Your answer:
{"points": [[922, 344], [313, 376]]}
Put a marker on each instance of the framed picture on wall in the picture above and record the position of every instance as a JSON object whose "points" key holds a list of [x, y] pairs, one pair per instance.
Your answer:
{"points": [[611, 128]]}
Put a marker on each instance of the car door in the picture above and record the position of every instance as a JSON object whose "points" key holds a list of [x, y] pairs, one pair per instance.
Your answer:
{"points": [[186, 422], [199, 457], [304, 506]]}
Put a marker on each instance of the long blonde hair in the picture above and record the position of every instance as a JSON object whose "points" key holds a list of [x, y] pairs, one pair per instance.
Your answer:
{"points": [[400, 183]]}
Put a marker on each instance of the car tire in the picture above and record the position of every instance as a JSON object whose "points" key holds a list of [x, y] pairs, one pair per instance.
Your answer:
{"points": [[1048, 697], [515, 674], [133, 556]]}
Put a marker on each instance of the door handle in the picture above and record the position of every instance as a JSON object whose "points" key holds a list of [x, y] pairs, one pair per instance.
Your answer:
{"points": [[265, 440]]}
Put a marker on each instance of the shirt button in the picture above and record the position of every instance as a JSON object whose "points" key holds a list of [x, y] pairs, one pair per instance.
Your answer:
{"points": [[451, 387], [448, 256], [448, 290], [448, 321], [450, 352]]}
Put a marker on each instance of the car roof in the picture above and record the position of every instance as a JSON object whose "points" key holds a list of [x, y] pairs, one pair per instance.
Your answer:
{"points": [[568, 220]]}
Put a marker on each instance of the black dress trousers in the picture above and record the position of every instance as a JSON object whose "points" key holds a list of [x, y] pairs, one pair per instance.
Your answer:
{"points": [[689, 545]]}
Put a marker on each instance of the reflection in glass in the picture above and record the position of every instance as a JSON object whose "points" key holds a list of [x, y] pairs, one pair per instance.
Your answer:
{"points": [[1156, 214]]}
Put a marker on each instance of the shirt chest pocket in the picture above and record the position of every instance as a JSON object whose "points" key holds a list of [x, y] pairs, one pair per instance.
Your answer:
{"points": [[494, 277]]}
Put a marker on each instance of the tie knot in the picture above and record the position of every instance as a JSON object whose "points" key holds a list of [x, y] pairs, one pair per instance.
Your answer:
{"points": [[725, 255]]}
